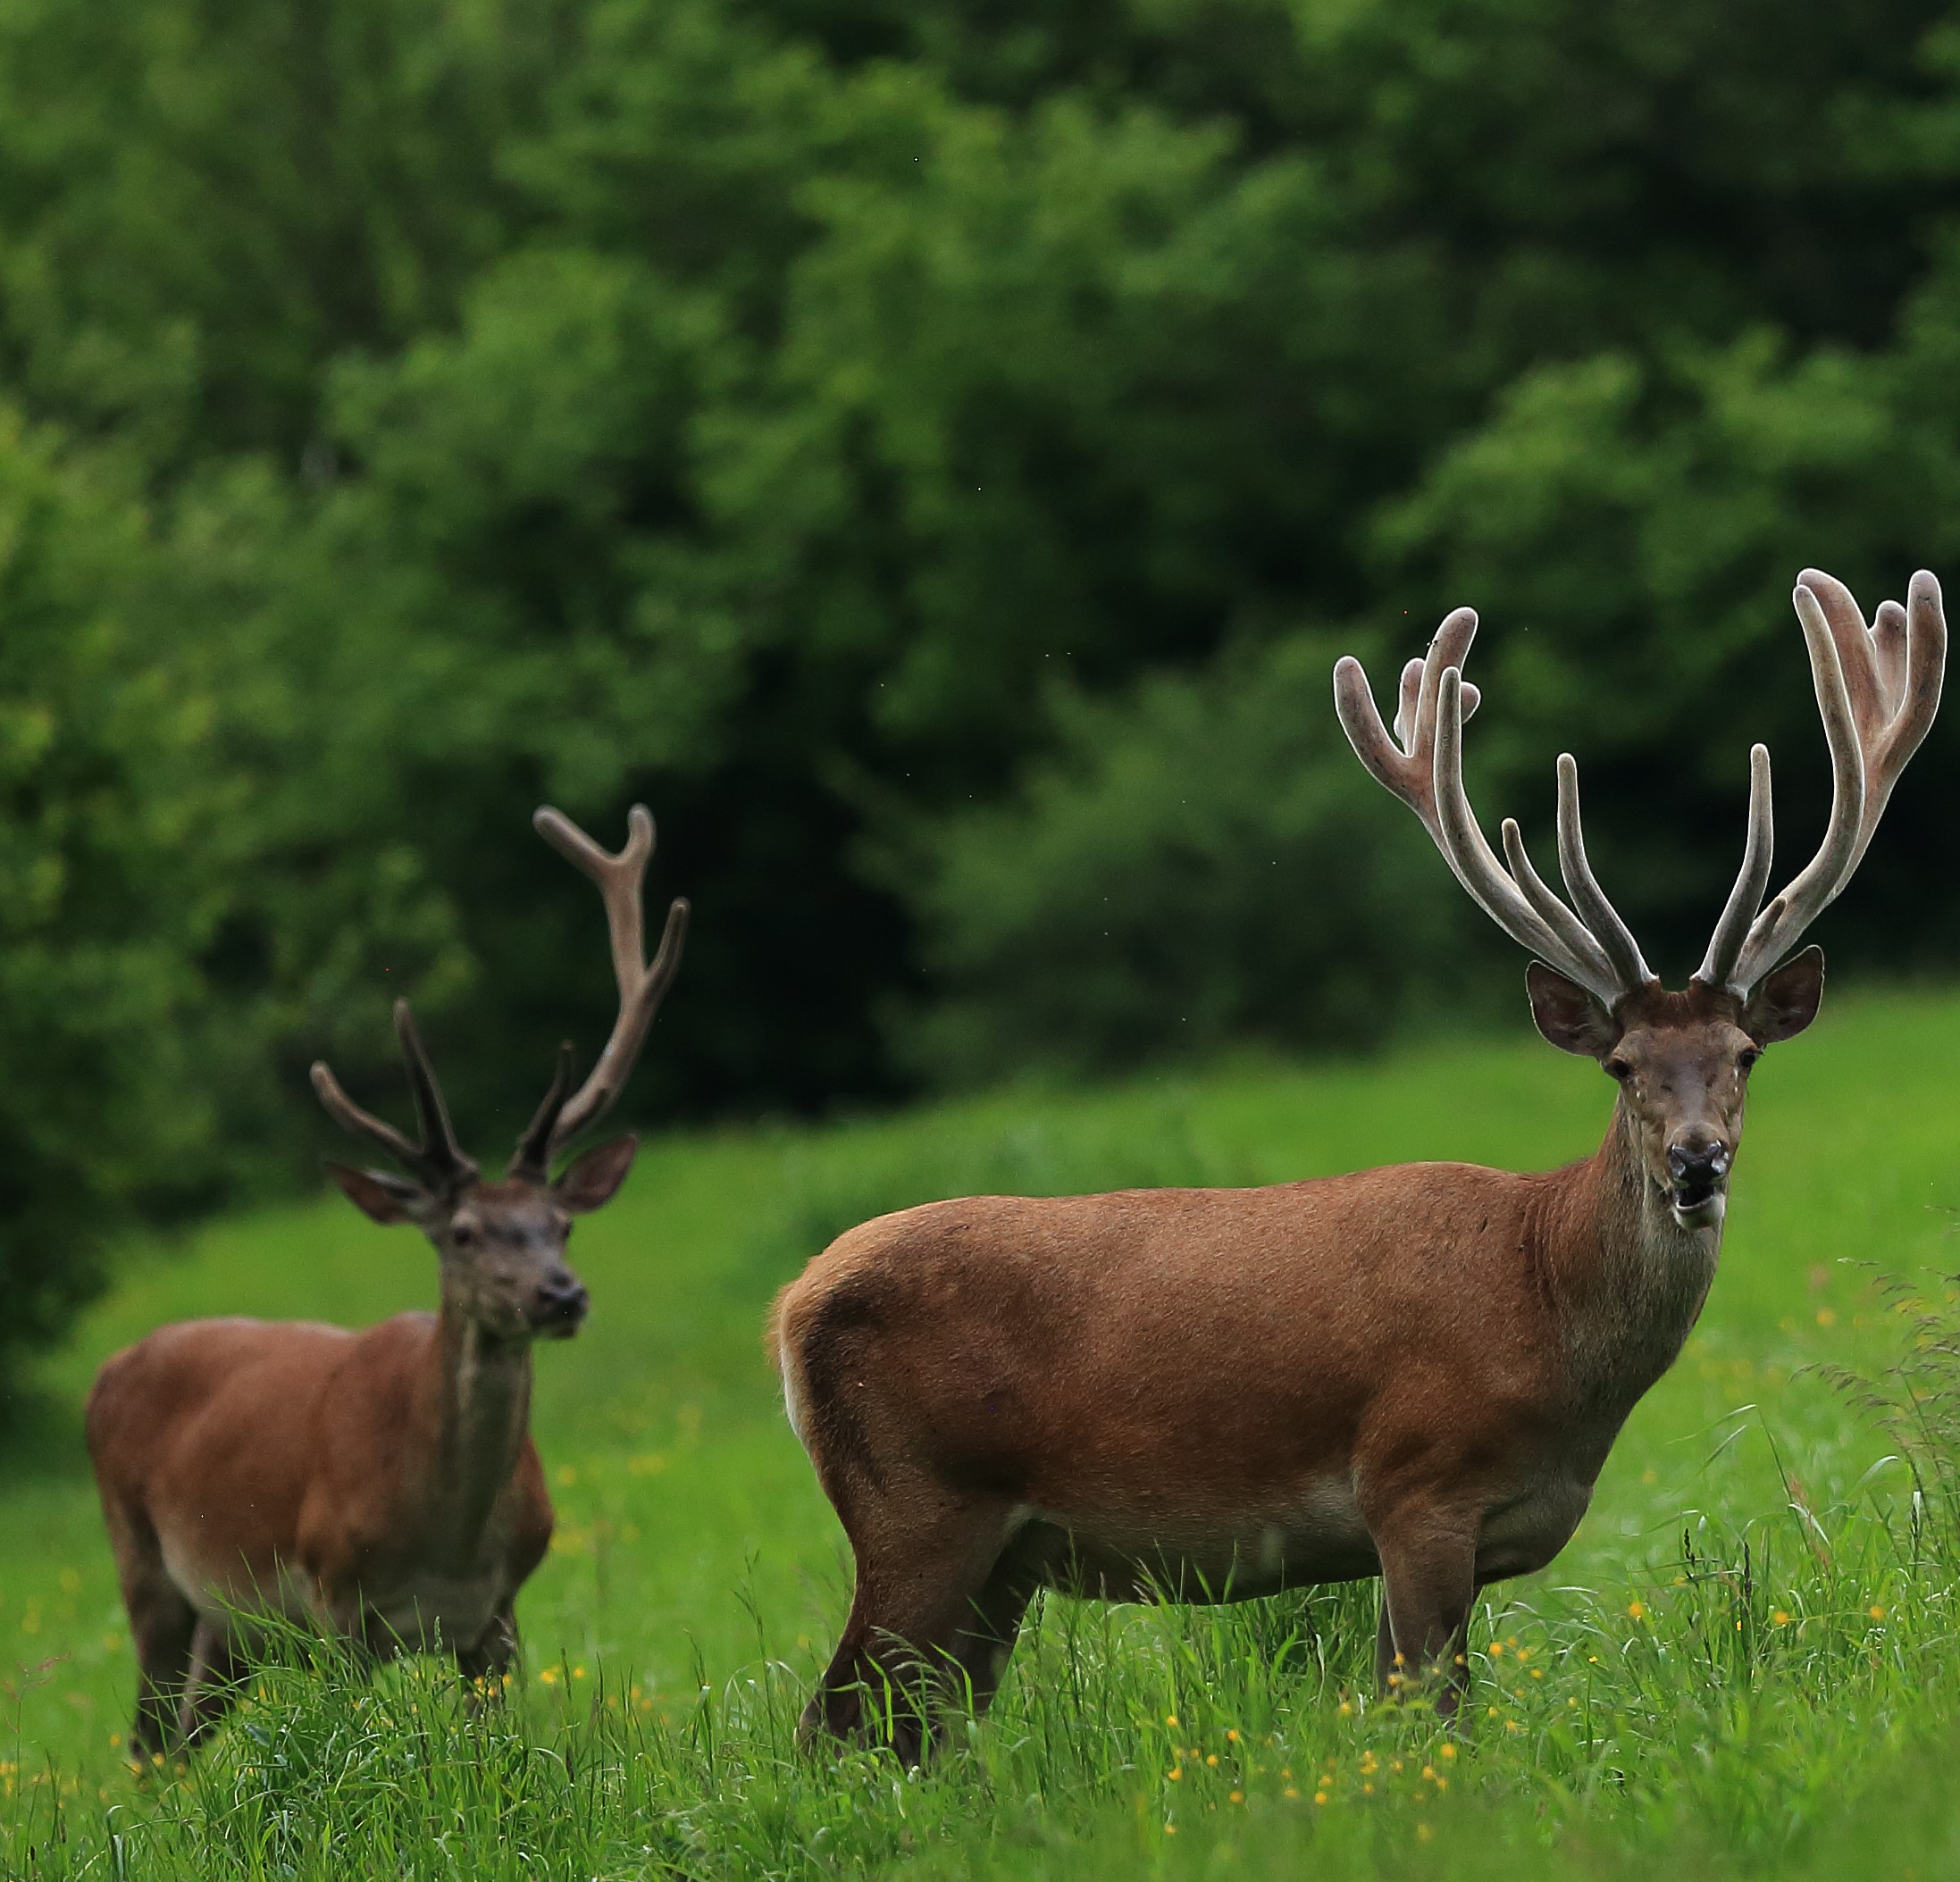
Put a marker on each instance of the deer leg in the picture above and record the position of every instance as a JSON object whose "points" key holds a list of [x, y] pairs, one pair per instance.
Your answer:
{"points": [[162, 1623], [1429, 1574], [484, 1665], [985, 1640], [913, 1606], [1385, 1647], [212, 1682]]}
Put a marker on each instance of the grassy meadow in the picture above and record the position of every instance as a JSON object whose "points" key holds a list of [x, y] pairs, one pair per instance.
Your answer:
{"points": [[1746, 1659]]}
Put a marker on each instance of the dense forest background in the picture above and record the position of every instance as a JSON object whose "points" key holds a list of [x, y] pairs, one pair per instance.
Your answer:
{"points": [[932, 453]]}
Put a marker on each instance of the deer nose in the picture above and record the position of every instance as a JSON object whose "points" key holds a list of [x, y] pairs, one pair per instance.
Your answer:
{"points": [[562, 1299], [1697, 1161]]}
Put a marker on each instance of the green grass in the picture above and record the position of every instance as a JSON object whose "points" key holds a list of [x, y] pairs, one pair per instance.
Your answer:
{"points": [[1745, 1657]]}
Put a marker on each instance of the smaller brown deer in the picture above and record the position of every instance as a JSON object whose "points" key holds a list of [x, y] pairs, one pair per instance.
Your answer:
{"points": [[382, 1483]]}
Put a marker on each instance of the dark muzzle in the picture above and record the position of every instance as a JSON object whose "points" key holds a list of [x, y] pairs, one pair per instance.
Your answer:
{"points": [[560, 1306], [1696, 1172]]}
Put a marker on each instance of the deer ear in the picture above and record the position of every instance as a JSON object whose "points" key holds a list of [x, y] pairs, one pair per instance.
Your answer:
{"points": [[388, 1199], [1567, 1016], [1785, 1002], [593, 1180]]}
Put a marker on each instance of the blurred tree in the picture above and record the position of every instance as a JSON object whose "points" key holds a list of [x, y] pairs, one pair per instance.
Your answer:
{"points": [[900, 443], [203, 203], [116, 830], [1203, 864]]}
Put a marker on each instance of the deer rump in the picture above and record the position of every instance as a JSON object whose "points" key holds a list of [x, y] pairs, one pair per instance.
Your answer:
{"points": [[1206, 1394], [292, 1468]]}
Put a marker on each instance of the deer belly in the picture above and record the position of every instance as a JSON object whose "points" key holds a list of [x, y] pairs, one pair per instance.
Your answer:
{"points": [[224, 1583], [1317, 1535]]}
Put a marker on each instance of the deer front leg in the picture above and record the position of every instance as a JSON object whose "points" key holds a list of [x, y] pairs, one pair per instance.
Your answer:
{"points": [[1428, 1576], [484, 1665]]}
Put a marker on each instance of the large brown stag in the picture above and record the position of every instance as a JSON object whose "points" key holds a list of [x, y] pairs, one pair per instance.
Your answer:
{"points": [[1413, 1372], [380, 1484]]}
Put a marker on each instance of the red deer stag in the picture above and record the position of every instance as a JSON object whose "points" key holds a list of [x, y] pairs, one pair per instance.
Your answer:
{"points": [[382, 1483], [1414, 1372]]}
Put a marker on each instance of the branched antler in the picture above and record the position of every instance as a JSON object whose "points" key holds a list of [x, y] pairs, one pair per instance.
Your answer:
{"points": [[1423, 765], [1878, 690], [621, 879]]}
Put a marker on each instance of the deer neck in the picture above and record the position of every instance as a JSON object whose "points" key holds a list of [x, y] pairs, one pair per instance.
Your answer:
{"points": [[1627, 1280], [482, 1414]]}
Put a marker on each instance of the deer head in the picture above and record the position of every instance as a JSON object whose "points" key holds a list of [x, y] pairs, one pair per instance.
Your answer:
{"points": [[502, 1245], [1682, 1059]]}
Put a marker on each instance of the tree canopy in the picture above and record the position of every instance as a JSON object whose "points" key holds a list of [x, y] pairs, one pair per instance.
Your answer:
{"points": [[931, 453]]}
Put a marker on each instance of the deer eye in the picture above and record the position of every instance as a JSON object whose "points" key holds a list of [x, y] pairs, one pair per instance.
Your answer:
{"points": [[461, 1235], [1617, 1067], [1747, 1056]]}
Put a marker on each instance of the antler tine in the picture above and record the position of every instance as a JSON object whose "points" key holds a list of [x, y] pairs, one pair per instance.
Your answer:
{"points": [[1775, 930], [439, 1158], [1406, 767], [439, 1146], [1891, 644], [641, 988], [1409, 695], [358, 1123], [1556, 914], [1537, 891], [532, 1157], [1909, 653], [1857, 655], [1565, 943], [1598, 916], [1725, 945]]}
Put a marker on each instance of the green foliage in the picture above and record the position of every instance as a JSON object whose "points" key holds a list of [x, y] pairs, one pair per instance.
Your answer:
{"points": [[114, 834], [208, 203], [1207, 863], [894, 440]]}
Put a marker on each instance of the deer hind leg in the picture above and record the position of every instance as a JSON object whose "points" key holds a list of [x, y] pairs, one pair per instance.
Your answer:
{"points": [[928, 1624], [1428, 1573], [162, 1622], [984, 1643], [213, 1683]]}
